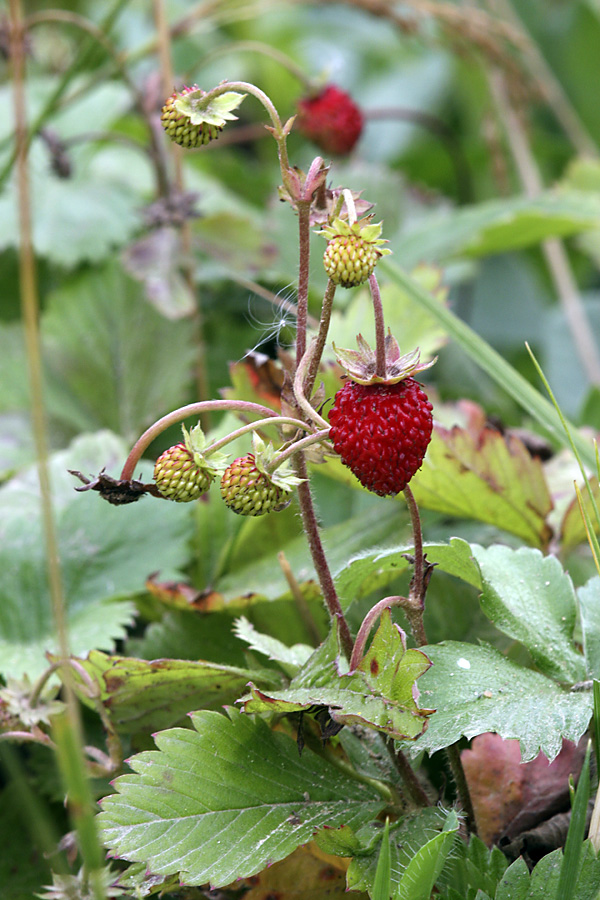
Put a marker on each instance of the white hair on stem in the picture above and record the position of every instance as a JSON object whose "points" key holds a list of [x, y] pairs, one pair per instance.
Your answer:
{"points": [[271, 328]]}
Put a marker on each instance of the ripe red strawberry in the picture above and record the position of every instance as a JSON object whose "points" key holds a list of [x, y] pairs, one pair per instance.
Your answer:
{"points": [[381, 428], [331, 119], [249, 491], [353, 250]]}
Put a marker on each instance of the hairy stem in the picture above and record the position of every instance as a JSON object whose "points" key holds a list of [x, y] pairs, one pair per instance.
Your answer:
{"points": [[317, 352], [302, 366], [298, 446], [311, 529], [412, 784], [178, 415], [380, 367], [367, 624], [303, 208], [256, 426]]}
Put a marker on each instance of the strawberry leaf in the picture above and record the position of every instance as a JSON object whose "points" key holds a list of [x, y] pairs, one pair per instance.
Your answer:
{"points": [[430, 830], [106, 554], [223, 800], [380, 694], [143, 695], [531, 598], [475, 689]]}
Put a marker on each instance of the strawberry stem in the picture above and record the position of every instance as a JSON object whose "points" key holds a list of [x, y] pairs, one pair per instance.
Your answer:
{"points": [[415, 604], [365, 628], [307, 510], [255, 426], [296, 447], [303, 365], [311, 529], [315, 359], [177, 415], [380, 369]]}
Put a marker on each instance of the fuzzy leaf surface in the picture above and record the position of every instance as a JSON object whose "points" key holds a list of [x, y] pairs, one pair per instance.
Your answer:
{"points": [[487, 476], [145, 695], [223, 800], [380, 694], [531, 598], [475, 689]]}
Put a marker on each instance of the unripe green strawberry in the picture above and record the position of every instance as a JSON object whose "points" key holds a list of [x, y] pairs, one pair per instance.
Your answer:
{"points": [[179, 126], [178, 477], [352, 251], [249, 491]]}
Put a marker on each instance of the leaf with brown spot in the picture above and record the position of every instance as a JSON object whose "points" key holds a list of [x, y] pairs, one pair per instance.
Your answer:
{"points": [[380, 694], [144, 695]]}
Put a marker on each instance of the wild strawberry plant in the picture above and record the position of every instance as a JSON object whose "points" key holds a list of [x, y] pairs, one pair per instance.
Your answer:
{"points": [[320, 743], [313, 706]]}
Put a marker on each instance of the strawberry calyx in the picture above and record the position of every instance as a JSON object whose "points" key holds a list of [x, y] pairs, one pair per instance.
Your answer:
{"points": [[364, 228], [361, 365], [281, 475]]}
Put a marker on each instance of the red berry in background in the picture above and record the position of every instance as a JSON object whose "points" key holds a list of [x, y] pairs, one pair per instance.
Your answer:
{"points": [[381, 432], [331, 119]]}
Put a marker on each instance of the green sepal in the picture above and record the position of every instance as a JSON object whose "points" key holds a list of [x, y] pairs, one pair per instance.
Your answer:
{"points": [[196, 443], [366, 229], [282, 476], [200, 108]]}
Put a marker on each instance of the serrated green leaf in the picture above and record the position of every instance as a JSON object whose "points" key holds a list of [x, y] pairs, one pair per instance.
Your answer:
{"points": [[373, 570], [106, 554], [221, 801], [490, 477], [589, 609], [379, 694], [531, 598], [475, 689], [145, 695]]}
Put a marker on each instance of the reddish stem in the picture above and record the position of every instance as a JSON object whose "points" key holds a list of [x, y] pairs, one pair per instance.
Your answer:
{"points": [[367, 624], [178, 415], [379, 326], [311, 529]]}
